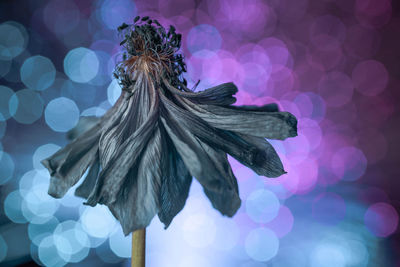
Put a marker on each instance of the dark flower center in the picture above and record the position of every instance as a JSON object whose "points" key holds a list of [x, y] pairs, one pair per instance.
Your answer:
{"points": [[148, 47]]}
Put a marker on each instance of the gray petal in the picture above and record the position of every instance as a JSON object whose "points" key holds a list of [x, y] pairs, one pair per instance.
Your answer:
{"points": [[175, 183], [218, 95], [114, 172], [247, 153], [89, 182], [271, 125], [137, 202]]}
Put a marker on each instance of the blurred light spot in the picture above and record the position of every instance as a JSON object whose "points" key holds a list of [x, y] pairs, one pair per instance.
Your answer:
{"points": [[199, 230], [358, 254], [106, 255], [193, 260], [38, 73], [374, 151], [34, 177], [261, 244], [328, 255], [6, 167], [329, 208], [12, 207], [278, 53], [81, 65], [325, 60], [43, 152], [253, 264], [361, 42], [318, 106], [61, 16], [327, 32], [262, 206], [336, 88], [307, 173], [71, 241], [37, 232], [291, 12], [227, 234], [69, 199], [203, 37], [48, 253], [113, 91], [121, 245], [283, 222], [304, 104], [84, 95], [349, 163], [249, 181], [115, 12], [370, 77], [93, 111], [38, 206], [373, 13], [103, 75], [381, 219], [290, 256], [5, 96], [61, 114], [98, 221], [3, 249], [26, 106], [297, 149], [311, 130], [13, 40]]}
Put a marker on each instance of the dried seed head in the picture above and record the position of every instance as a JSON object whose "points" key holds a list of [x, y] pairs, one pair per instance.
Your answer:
{"points": [[149, 48]]}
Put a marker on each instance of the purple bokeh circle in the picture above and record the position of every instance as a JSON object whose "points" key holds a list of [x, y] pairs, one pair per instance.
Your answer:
{"points": [[381, 219]]}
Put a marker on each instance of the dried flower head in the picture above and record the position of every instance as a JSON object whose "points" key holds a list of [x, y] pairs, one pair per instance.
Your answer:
{"points": [[142, 154]]}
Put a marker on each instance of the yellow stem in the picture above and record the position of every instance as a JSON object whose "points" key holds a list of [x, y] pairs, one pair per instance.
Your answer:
{"points": [[138, 248]]}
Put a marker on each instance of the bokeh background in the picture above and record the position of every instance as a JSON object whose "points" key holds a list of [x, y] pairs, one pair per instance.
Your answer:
{"points": [[332, 63]]}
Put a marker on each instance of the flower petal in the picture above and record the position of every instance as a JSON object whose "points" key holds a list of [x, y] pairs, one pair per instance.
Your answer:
{"points": [[271, 125], [68, 164], [86, 187], [267, 162], [119, 164], [228, 200], [175, 183], [137, 202], [247, 153], [206, 164], [218, 95]]}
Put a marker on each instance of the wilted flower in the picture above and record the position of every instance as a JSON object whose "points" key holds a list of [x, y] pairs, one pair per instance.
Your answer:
{"points": [[141, 155]]}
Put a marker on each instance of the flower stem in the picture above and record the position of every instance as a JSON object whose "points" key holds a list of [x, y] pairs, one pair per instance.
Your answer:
{"points": [[138, 248]]}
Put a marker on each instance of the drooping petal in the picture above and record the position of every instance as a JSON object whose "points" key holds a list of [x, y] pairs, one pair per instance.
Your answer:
{"points": [[228, 200], [272, 125], [68, 164], [86, 187], [218, 95], [119, 164], [132, 116], [137, 202], [175, 183], [228, 141], [206, 164], [84, 124], [193, 155], [267, 161]]}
